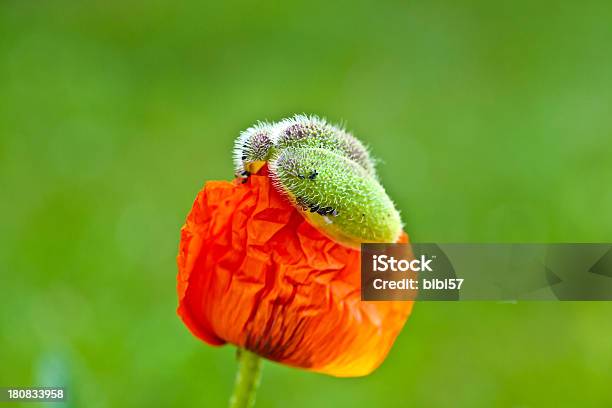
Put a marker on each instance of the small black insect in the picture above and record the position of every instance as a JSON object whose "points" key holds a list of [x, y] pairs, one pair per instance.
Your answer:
{"points": [[325, 210], [304, 205], [244, 157], [313, 175], [244, 175]]}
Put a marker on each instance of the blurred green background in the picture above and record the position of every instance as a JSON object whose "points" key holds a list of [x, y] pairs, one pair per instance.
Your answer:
{"points": [[493, 121]]}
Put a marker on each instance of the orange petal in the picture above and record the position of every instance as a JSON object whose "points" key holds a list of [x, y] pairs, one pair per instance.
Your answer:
{"points": [[254, 273]]}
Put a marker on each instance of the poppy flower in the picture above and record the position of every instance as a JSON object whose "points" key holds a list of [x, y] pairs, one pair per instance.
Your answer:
{"points": [[255, 273]]}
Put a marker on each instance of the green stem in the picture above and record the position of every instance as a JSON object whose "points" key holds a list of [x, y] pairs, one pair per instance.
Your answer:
{"points": [[247, 379]]}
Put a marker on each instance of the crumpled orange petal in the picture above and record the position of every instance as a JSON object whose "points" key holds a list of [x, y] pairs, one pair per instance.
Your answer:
{"points": [[253, 272]]}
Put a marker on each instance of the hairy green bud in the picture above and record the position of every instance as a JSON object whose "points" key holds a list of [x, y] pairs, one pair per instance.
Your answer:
{"points": [[310, 131], [253, 148], [336, 195], [326, 173]]}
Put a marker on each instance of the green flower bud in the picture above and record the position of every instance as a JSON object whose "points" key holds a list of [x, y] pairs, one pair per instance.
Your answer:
{"points": [[336, 195], [310, 131], [326, 173], [253, 148]]}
